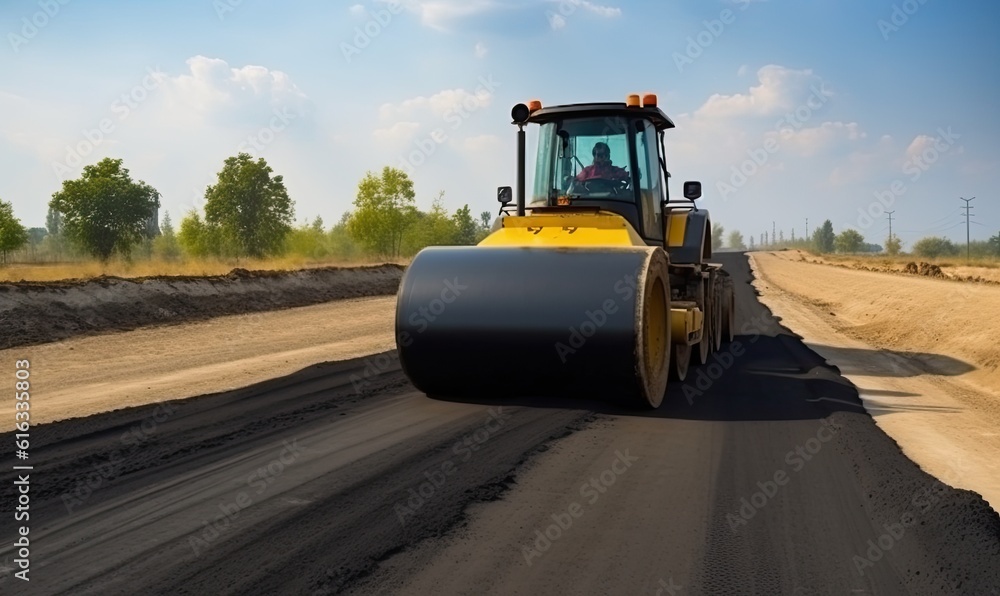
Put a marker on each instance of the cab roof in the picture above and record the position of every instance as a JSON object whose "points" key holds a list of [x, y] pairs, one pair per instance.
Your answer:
{"points": [[583, 110]]}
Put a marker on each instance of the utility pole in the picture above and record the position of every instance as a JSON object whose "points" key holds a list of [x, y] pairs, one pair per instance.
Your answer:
{"points": [[774, 235], [968, 214], [889, 213], [807, 228]]}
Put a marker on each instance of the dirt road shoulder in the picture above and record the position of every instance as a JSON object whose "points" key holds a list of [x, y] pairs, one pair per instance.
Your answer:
{"points": [[922, 352]]}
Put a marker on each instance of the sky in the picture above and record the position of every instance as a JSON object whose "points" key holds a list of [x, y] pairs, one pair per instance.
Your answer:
{"points": [[786, 110]]}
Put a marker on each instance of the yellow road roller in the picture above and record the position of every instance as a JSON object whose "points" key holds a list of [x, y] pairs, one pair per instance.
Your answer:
{"points": [[598, 284]]}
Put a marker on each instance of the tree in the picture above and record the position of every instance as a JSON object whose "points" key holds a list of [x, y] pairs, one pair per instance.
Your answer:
{"points": [[717, 231], [736, 240], [166, 245], [849, 241], [384, 209], [893, 245], [251, 208], [104, 211], [933, 246], [200, 239], [486, 219], [13, 235], [466, 229], [824, 238], [994, 244], [434, 228]]}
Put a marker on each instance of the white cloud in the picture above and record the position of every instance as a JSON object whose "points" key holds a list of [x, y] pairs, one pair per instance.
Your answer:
{"points": [[212, 84], [441, 14], [860, 165], [779, 89], [357, 10], [566, 8], [603, 11], [917, 146], [399, 133], [810, 141], [439, 104], [481, 50], [481, 144]]}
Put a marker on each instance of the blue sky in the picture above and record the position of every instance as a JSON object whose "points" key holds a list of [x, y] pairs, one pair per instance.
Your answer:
{"points": [[834, 110]]}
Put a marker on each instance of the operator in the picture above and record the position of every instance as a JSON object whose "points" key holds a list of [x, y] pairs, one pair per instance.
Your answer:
{"points": [[602, 167]]}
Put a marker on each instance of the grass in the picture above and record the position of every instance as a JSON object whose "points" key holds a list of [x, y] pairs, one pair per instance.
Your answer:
{"points": [[155, 267]]}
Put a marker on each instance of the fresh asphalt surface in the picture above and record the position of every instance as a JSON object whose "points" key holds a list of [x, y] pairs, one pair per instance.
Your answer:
{"points": [[759, 475]]}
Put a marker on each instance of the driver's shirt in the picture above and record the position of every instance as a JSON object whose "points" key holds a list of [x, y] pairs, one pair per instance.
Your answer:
{"points": [[607, 172]]}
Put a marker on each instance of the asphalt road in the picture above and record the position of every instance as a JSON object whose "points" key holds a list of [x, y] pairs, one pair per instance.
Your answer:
{"points": [[762, 474]]}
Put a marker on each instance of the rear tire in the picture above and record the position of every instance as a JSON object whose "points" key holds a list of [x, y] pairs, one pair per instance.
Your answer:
{"points": [[729, 311], [703, 349], [680, 361]]}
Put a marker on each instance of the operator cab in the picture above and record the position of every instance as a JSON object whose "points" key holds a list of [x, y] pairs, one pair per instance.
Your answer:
{"points": [[605, 156]]}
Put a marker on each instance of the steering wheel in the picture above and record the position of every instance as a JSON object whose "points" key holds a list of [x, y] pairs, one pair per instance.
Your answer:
{"points": [[603, 185]]}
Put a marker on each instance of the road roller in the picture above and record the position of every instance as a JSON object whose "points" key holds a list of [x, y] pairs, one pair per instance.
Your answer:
{"points": [[598, 284]]}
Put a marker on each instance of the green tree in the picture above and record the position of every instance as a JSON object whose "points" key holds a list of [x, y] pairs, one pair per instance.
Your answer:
{"points": [[849, 241], [893, 245], [994, 245], [384, 210], [466, 230], [105, 211], [13, 235], [166, 246], [309, 240], [824, 238], [434, 228], [934, 246], [251, 208], [486, 219], [717, 232], [340, 242], [736, 240], [198, 238]]}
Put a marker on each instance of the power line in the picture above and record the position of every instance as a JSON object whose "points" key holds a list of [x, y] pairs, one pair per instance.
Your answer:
{"points": [[968, 215]]}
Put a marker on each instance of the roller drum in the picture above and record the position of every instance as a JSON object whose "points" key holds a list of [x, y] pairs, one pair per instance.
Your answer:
{"points": [[536, 321]]}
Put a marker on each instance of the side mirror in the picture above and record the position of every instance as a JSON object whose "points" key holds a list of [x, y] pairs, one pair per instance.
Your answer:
{"points": [[505, 195], [692, 190]]}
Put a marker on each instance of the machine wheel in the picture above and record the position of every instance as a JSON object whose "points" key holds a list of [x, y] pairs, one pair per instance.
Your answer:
{"points": [[717, 312], [704, 347], [680, 361], [729, 312], [653, 343]]}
